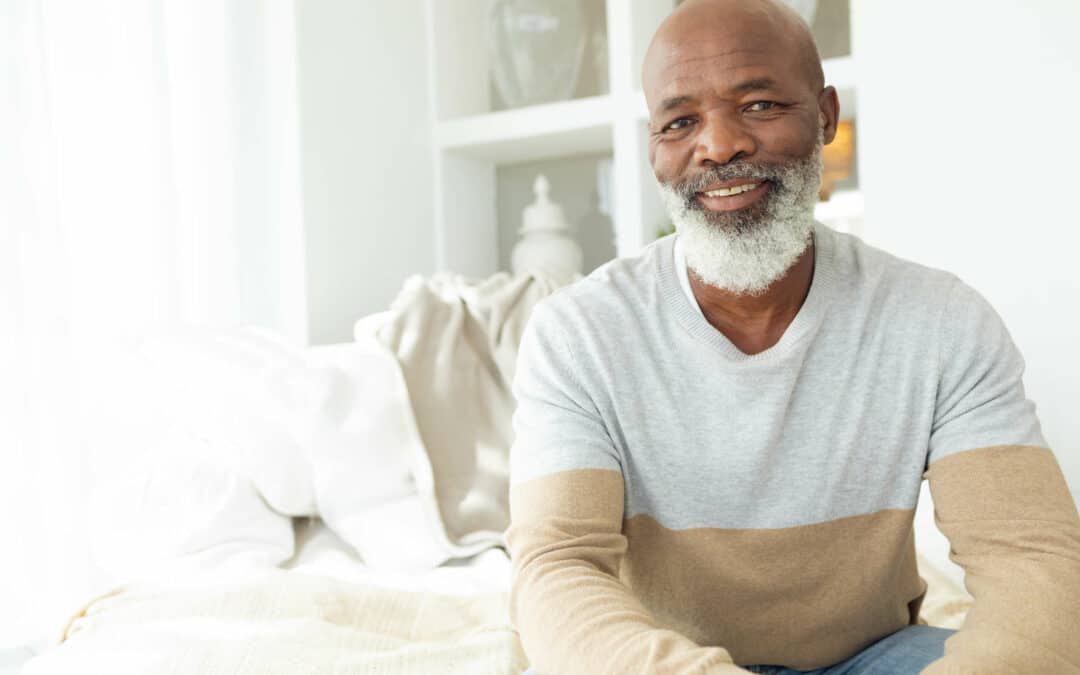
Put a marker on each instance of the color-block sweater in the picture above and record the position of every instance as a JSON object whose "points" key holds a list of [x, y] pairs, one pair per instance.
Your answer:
{"points": [[678, 506]]}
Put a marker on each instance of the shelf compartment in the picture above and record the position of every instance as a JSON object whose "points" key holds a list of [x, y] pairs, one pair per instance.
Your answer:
{"points": [[462, 47], [581, 185], [576, 127]]}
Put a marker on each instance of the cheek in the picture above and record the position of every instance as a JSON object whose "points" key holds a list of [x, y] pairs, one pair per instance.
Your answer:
{"points": [[669, 160], [791, 140]]}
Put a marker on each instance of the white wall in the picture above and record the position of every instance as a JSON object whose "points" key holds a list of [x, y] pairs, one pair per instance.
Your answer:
{"points": [[969, 148], [366, 156]]}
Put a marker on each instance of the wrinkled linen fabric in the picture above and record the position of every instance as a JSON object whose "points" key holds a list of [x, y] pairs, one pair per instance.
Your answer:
{"points": [[456, 342]]}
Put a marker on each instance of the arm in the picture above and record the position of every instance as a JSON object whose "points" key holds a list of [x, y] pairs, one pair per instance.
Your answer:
{"points": [[1013, 528], [1003, 503], [572, 611]]}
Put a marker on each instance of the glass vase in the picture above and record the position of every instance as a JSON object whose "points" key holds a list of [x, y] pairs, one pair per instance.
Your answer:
{"points": [[537, 47]]}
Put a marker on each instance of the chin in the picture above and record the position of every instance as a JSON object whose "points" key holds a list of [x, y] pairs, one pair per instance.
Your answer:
{"points": [[751, 219], [745, 259]]}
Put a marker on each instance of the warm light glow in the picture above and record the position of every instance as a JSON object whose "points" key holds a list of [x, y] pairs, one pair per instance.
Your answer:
{"points": [[839, 157]]}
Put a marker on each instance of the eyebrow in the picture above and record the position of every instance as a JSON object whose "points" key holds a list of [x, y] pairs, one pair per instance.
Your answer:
{"points": [[756, 84], [673, 102]]}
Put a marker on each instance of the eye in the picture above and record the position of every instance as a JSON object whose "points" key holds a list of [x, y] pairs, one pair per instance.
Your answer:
{"points": [[677, 125], [762, 106]]}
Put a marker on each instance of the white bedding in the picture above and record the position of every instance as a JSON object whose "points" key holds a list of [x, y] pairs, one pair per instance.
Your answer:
{"points": [[323, 612], [239, 432], [244, 437], [321, 552]]}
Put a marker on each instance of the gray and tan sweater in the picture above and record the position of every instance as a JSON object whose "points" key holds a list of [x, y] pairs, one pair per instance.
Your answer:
{"points": [[678, 506]]}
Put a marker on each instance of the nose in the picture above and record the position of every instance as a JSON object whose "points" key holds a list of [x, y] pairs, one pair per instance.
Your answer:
{"points": [[722, 140]]}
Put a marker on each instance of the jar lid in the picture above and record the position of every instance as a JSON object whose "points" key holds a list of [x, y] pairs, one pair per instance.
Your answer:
{"points": [[543, 214]]}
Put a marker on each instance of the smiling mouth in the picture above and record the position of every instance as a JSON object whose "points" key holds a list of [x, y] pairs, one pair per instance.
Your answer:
{"points": [[743, 195], [732, 191]]}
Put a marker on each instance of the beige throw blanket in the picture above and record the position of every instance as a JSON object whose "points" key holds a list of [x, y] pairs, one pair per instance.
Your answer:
{"points": [[277, 622], [456, 342]]}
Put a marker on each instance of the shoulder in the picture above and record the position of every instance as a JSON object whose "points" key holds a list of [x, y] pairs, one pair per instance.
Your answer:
{"points": [[901, 296], [867, 267], [914, 297], [617, 292]]}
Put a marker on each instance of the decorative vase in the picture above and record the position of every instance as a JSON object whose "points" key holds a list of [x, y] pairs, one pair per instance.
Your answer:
{"points": [[546, 247], [537, 47]]}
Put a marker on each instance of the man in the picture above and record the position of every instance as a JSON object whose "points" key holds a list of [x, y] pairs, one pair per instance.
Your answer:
{"points": [[720, 443]]}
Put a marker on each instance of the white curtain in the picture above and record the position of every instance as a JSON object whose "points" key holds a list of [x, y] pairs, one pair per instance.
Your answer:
{"points": [[149, 178]]}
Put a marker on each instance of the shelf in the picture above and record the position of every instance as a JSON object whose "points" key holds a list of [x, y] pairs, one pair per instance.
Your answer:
{"points": [[577, 127]]}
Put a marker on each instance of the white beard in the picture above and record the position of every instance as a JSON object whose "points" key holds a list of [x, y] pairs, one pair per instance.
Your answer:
{"points": [[747, 257]]}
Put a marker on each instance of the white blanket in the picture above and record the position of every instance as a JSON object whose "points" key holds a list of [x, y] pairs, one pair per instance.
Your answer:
{"points": [[399, 440]]}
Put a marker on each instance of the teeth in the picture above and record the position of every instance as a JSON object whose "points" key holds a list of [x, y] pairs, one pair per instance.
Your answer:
{"points": [[729, 192]]}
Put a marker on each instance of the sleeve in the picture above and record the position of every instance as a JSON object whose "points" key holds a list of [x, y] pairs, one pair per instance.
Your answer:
{"points": [[1002, 501], [573, 613]]}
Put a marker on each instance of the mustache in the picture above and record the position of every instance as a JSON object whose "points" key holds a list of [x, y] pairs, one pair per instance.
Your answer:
{"points": [[689, 187]]}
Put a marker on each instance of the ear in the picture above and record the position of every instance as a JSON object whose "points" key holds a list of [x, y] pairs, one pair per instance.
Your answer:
{"points": [[828, 112]]}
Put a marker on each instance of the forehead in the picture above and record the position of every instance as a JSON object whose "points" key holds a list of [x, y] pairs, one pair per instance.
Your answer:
{"points": [[716, 59]]}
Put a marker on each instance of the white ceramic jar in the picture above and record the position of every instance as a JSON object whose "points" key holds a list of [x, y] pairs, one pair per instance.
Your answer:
{"points": [[546, 247]]}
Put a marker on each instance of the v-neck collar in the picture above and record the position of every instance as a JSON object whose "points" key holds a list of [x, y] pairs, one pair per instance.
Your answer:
{"points": [[675, 287]]}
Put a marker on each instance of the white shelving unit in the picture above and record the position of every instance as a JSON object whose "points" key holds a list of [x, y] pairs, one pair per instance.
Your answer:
{"points": [[470, 142]]}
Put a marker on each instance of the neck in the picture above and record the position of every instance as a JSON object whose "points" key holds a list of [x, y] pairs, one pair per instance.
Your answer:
{"points": [[755, 323]]}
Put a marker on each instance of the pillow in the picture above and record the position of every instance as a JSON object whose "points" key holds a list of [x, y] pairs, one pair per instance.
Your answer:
{"points": [[362, 443], [207, 471], [238, 390], [178, 511]]}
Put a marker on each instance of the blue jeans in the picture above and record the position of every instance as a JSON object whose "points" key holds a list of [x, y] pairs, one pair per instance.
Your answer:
{"points": [[905, 652]]}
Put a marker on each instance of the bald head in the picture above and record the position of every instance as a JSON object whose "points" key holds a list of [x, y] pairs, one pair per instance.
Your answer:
{"points": [[719, 32]]}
